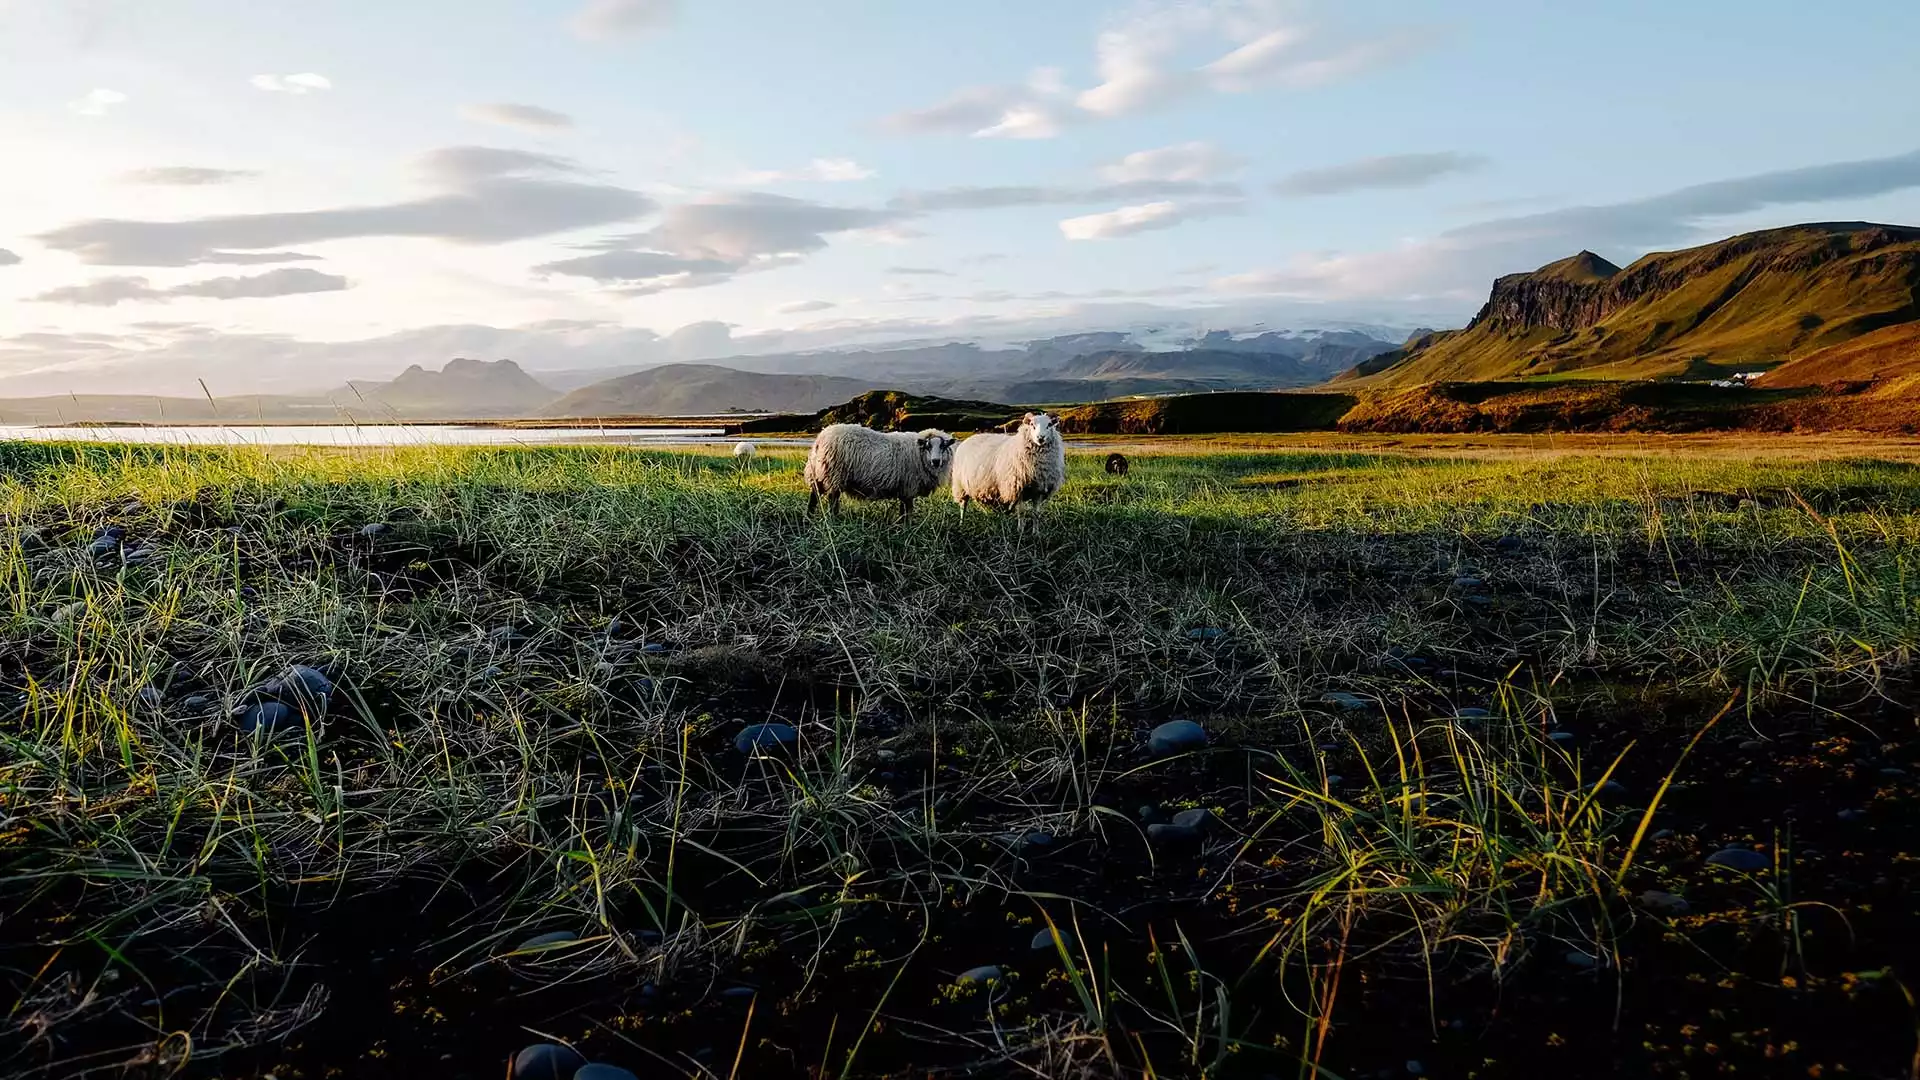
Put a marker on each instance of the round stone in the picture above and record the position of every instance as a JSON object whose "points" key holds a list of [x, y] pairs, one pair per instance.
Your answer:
{"points": [[598, 1071], [1468, 583], [1176, 737], [1043, 941], [1340, 699], [374, 530], [1743, 860], [547, 1061], [544, 942], [1197, 819], [1173, 836], [738, 993], [1561, 736], [196, 702], [1206, 633], [1471, 714], [267, 717], [149, 697], [1664, 903], [765, 737], [980, 976]]}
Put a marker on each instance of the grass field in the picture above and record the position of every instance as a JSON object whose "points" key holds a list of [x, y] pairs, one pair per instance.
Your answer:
{"points": [[1477, 715]]}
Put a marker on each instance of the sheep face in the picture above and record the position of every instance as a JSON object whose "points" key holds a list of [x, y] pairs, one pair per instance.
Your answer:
{"points": [[936, 451], [1040, 430]]}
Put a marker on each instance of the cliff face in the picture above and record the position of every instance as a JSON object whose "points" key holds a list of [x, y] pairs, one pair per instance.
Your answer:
{"points": [[1568, 295], [1753, 300]]}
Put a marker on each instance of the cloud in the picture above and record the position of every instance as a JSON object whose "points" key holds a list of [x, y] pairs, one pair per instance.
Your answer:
{"points": [[109, 291], [1159, 52], [822, 170], [994, 198], [604, 20], [304, 83], [1182, 162], [487, 197], [1134, 58], [186, 176], [1460, 263], [801, 307], [1040, 109], [712, 239], [528, 117], [1147, 217], [1392, 171], [919, 271], [8, 258], [97, 102]]}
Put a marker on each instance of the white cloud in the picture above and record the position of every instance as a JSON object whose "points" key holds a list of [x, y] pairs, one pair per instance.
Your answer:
{"points": [[1147, 217], [1157, 54], [1122, 222], [97, 102], [1460, 263], [1181, 162], [186, 176], [603, 20], [8, 258], [713, 239], [1039, 109], [484, 196], [1391, 171], [819, 170], [109, 291], [801, 307], [526, 117], [304, 83]]}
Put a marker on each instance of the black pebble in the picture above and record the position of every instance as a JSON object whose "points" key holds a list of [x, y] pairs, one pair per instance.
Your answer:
{"points": [[546, 1061]]}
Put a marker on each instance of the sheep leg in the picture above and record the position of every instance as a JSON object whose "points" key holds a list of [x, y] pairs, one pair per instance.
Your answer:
{"points": [[833, 504], [813, 500], [906, 509]]}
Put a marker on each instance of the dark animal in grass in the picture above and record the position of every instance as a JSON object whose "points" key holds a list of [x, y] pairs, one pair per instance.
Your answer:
{"points": [[1116, 464]]}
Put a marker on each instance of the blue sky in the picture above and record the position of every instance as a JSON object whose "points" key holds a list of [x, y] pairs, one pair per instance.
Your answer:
{"points": [[242, 190]]}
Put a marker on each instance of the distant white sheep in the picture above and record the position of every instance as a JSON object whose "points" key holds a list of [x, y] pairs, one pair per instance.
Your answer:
{"points": [[848, 459], [743, 452], [1004, 471]]}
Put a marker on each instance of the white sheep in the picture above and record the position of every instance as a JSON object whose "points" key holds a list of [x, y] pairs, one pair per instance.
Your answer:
{"points": [[1004, 471], [743, 452], [848, 459]]}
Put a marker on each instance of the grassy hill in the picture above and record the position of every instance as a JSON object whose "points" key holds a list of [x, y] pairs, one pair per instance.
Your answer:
{"points": [[705, 389], [892, 410], [1892, 352], [1751, 302]]}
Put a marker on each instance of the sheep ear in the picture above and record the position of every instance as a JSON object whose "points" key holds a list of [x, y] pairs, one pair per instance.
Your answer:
{"points": [[1027, 419]]}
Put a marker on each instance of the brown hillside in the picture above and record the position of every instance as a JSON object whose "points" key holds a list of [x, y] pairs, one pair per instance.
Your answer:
{"points": [[1749, 302], [1890, 352]]}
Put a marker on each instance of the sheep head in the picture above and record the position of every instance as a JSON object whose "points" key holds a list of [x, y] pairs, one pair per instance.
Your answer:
{"points": [[936, 450], [1040, 431]]}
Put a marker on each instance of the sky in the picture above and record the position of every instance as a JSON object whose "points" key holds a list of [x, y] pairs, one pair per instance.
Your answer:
{"points": [[269, 195]]}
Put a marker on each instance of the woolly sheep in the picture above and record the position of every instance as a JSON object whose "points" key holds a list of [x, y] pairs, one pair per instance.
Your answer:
{"points": [[848, 459], [1004, 471], [743, 452]]}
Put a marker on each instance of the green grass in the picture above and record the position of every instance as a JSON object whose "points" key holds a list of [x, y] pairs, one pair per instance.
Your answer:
{"points": [[567, 779]]}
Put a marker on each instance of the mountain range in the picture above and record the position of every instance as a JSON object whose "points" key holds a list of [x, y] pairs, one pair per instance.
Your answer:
{"points": [[1748, 303], [1072, 368]]}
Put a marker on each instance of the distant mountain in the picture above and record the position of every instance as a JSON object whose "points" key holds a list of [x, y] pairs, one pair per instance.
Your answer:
{"points": [[705, 389], [1750, 302], [463, 388]]}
